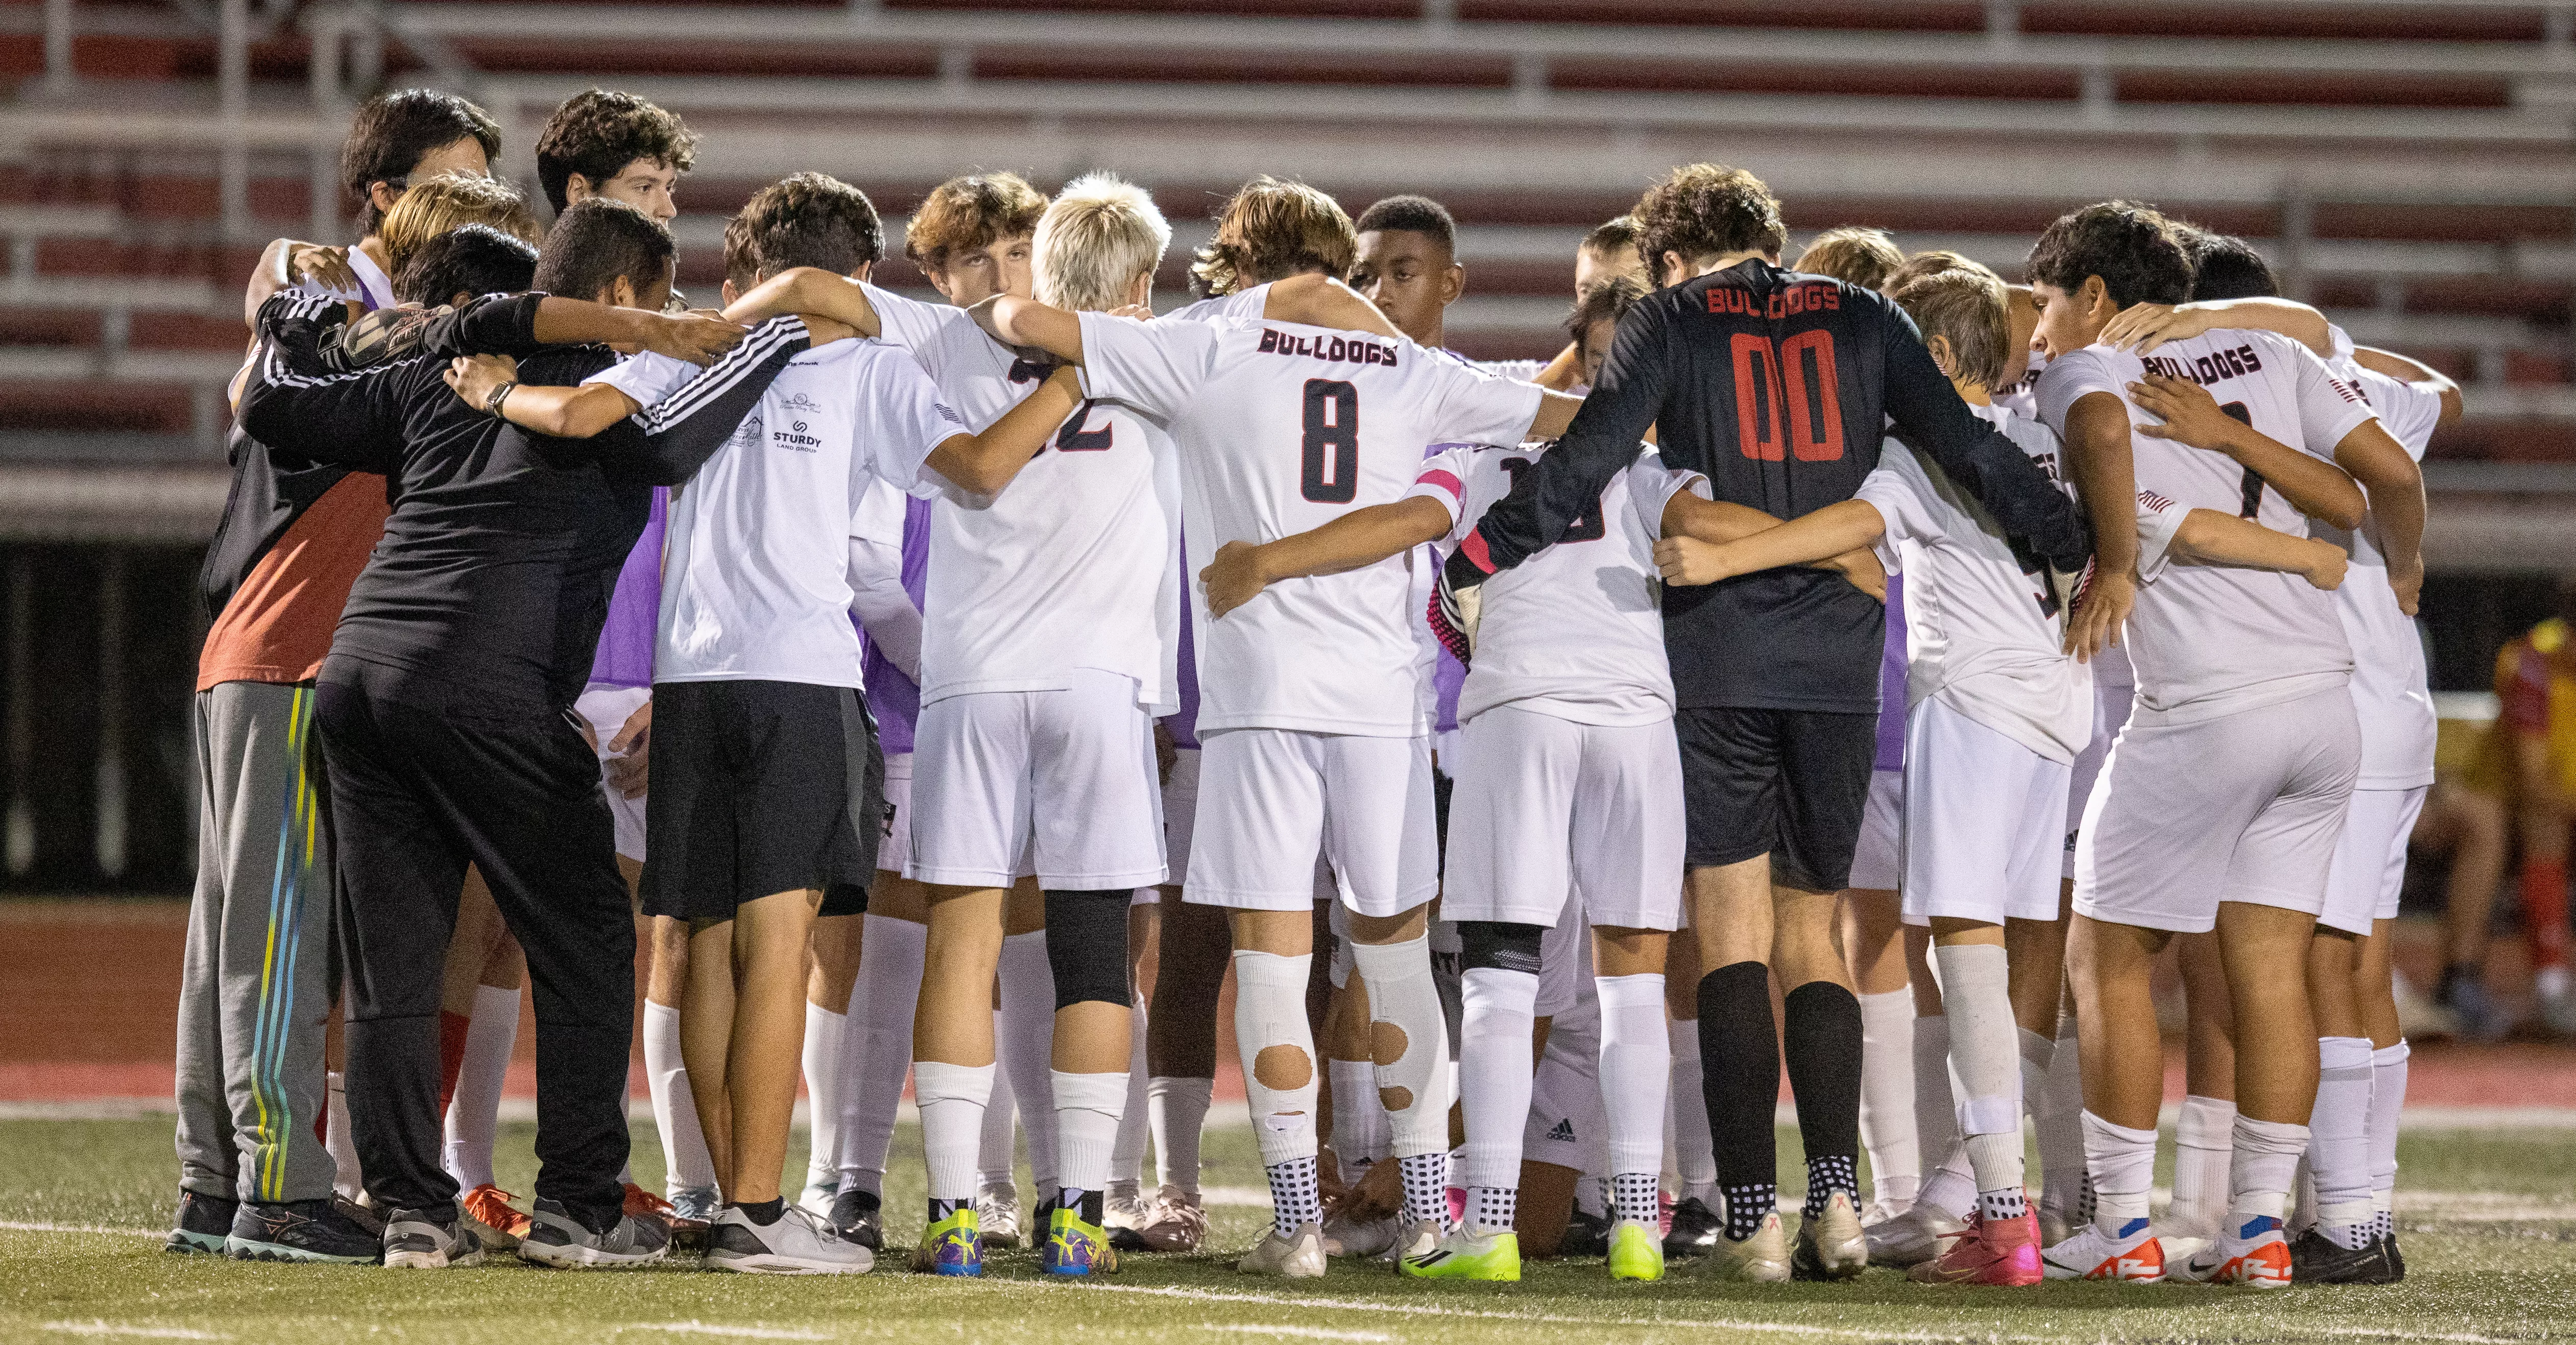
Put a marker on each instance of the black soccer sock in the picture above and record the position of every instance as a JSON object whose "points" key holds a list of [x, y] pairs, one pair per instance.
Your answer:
{"points": [[1739, 1052], [1823, 1044], [763, 1212]]}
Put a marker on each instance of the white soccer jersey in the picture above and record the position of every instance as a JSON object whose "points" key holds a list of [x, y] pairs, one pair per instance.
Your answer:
{"points": [[1281, 428], [1243, 303], [2389, 690], [755, 568], [2211, 640], [2021, 397], [1977, 637], [1071, 567], [1577, 631]]}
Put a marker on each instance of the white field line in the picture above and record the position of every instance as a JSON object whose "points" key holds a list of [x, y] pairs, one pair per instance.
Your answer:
{"points": [[2384, 1333], [12, 1227], [1302, 1333], [1434, 1310], [102, 1328], [697, 1328]]}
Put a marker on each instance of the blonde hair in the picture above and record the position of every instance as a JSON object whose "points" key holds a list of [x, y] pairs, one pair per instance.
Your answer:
{"points": [[1272, 230], [966, 213], [1101, 233], [1853, 255], [1931, 262], [439, 204], [1964, 307]]}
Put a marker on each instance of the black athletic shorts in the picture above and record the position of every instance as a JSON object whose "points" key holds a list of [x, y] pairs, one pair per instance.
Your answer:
{"points": [[1787, 783], [760, 787]]}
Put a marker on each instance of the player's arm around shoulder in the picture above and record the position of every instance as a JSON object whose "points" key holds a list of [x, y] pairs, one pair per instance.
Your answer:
{"points": [[1241, 570], [1811, 539], [2190, 415], [1316, 300], [2209, 537], [985, 463]]}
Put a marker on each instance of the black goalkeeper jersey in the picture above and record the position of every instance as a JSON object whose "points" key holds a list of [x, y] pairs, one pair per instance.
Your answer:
{"points": [[1778, 386]]}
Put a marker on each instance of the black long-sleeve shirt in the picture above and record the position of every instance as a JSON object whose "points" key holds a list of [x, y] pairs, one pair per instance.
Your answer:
{"points": [[503, 546], [1778, 386]]}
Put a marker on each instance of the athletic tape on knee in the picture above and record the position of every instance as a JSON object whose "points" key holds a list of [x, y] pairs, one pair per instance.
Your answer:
{"points": [[1278, 1050], [1499, 945], [1086, 943], [1410, 1038]]}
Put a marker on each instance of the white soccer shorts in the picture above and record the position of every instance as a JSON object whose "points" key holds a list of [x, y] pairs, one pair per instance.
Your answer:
{"points": [[1983, 819], [2245, 808], [894, 848], [2370, 858], [1271, 800], [1064, 780], [1180, 811], [606, 707], [1545, 805], [1879, 861], [2110, 711]]}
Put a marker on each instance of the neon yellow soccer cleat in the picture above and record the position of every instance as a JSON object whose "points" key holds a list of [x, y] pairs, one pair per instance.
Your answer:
{"points": [[1465, 1256], [1635, 1252]]}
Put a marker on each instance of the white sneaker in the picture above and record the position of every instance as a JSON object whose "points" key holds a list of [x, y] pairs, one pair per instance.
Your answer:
{"points": [[1297, 1258], [1911, 1238], [1122, 1206], [1881, 1210], [997, 1217], [800, 1243], [1344, 1236], [1413, 1237], [2258, 1262], [2093, 1255]]}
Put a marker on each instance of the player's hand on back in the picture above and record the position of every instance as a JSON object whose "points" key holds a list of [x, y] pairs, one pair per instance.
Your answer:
{"points": [[322, 265], [2100, 611], [1863, 569], [475, 376], [693, 337], [1688, 562], [1233, 578], [2143, 327], [2190, 415]]}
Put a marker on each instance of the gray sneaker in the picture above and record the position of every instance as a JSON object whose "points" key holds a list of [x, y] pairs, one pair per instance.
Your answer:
{"points": [[562, 1241], [800, 1243], [416, 1240]]}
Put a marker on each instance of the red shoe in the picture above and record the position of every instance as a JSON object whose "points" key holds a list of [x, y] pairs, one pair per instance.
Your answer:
{"points": [[643, 1204], [1987, 1251], [492, 1220]]}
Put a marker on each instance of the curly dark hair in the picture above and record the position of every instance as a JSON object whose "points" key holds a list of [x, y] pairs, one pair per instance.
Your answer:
{"points": [[2224, 266], [2136, 251], [1707, 210], [391, 133], [806, 219], [597, 132]]}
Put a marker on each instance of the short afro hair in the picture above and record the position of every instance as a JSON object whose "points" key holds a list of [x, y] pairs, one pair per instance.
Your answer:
{"points": [[597, 132], [1860, 257], [2136, 251], [1707, 210], [1412, 214], [392, 131], [2224, 266], [808, 219]]}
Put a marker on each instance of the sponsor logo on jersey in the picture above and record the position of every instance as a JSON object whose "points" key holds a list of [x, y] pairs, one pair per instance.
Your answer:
{"points": [[2154, 501], [2207, 369], [796, 439], [1345, 349], [798, 403], [1563, 1131], [1813, 297], [747, 433]]}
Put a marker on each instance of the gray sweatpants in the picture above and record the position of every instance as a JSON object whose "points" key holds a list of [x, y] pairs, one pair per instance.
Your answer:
{"points": [[261, 970]]}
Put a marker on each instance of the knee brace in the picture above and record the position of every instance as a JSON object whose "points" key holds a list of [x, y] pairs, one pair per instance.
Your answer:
{"points": [[1087, 945], [1496, 945]]}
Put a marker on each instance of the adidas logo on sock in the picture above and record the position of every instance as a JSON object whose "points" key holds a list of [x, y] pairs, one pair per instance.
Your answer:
{"points": [[1563, 1131]]}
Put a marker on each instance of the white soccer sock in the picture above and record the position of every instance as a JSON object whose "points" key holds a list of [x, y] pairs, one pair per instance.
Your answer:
{"points": [[1270, 1019], [1362, 1134], [1636, 1067], [1087, 1110], [2061, 1126], [1494, 1070], [686, 1164], [1887, 1097], [1127, 1155], [346, 1180], [1026, 1044], [2203, 1141], [2123, 1164], [1177, 1109], [993, 1165], [2339, 1140], [884, 1000], [823, 1076], [1418, 1083], [2264, 1168], [474, 1112], [1948, 1184], [952, 1100], [1985, 1068], [2387, 1099], [1694, 1149]]}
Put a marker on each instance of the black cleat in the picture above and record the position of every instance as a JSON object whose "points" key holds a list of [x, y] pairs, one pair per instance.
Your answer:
{"points": [[1586, 1234], [858, 1217], [2316, 1259], [203, 1223], [1696, 1229], [301, 1230], [2396, 1258]]}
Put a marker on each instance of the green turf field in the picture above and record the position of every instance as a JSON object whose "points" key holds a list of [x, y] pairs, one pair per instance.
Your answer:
{"points": [[2488, 1219]]}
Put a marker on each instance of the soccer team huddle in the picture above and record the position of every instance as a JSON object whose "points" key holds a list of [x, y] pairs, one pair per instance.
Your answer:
{"points": [[1861, 663]]}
